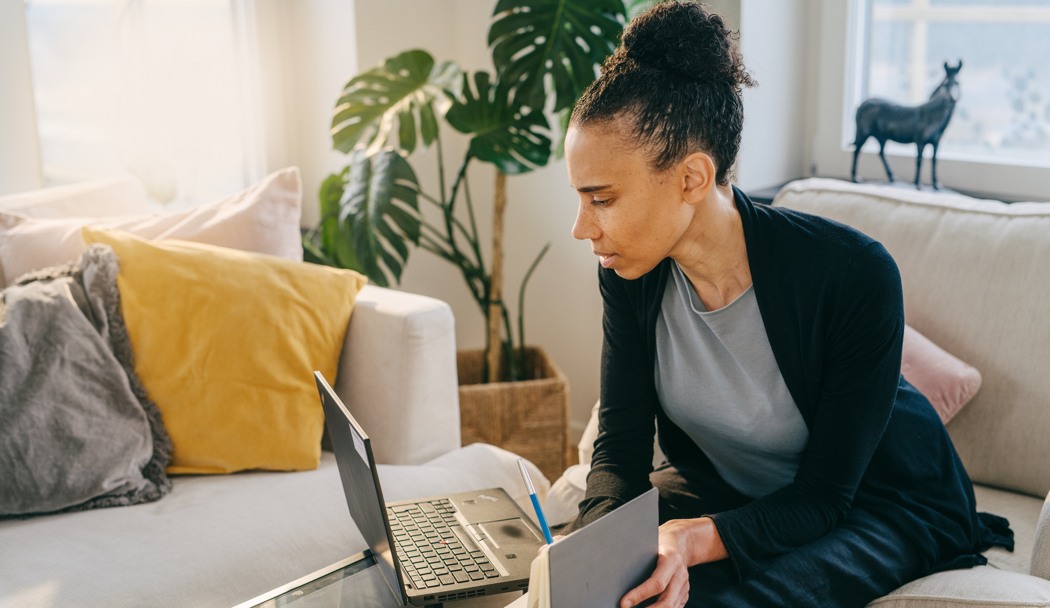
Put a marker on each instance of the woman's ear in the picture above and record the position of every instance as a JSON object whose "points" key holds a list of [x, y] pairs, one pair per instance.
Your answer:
{"points": [[698, 176]]}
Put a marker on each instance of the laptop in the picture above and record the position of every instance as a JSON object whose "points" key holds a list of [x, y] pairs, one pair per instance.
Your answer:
{"points": [[435, 549]]}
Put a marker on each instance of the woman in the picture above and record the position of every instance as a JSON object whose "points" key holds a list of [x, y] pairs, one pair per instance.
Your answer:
{"points": [[763, 344]]}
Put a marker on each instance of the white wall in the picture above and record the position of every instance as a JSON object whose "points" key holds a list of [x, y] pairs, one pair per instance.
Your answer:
{"points": [[19, 146], [773, 42], [308, 52]]}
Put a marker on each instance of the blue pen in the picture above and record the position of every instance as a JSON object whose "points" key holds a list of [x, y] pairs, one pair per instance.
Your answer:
{"points": [[535, 501]]}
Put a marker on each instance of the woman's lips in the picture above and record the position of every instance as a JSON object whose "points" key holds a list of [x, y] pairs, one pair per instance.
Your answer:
{"points": [[606, 259]]}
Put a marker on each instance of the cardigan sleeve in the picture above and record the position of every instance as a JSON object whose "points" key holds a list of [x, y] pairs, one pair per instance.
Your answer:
{"points": [[623, 450], [859, 374]]}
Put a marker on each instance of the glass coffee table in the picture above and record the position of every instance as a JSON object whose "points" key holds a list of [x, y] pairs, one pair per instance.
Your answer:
{"points": [[353, 583]]}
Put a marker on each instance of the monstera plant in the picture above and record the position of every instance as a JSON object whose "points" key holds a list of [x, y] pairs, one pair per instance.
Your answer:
{"points": [[545, 53]]}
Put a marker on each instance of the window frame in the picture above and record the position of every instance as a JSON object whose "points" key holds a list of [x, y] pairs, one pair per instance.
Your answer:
{"points": [[840, 65]]}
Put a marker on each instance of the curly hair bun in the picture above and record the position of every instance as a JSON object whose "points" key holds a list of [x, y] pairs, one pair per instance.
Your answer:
{"points": [[684, 39], [676, 81]]}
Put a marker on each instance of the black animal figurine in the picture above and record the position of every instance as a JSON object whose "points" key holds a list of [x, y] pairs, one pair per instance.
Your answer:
{"points": [[920, 125]]}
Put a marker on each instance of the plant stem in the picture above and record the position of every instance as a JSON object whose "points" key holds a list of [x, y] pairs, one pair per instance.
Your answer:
{"points": [[473, 277], [461, 177], [521, 302], [507, 349], [476, 242], [436, 247], [478, 272], [441, 167], [472, 239], [434, 229], [495, 307]]}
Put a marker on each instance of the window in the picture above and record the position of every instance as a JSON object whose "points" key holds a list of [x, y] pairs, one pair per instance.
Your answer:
{"points": [[165, 90], [998, 140], [1003, 114]]}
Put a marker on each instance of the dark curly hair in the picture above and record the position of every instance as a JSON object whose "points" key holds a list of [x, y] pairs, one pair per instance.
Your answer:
{"points": [[677, 78]]}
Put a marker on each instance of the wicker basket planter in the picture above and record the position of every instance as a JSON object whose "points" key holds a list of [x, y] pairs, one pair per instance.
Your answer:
{"points": [[528, 417]]}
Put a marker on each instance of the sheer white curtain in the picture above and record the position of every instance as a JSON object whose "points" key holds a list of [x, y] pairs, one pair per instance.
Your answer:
{"points": [[19, 152], [165, 90]]}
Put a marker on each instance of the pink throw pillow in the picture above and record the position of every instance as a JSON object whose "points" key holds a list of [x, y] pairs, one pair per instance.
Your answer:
{"points": [[264, 218], [946, 381]]}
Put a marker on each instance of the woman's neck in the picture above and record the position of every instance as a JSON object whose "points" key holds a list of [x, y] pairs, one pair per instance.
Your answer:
{"points": [[713, 252]]}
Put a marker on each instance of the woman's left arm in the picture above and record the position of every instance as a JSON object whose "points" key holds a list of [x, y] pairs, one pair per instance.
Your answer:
{"points": [[860, 371]]}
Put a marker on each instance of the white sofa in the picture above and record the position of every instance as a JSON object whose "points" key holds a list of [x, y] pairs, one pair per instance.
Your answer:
{"points": [[222, 540], [976, 278]]}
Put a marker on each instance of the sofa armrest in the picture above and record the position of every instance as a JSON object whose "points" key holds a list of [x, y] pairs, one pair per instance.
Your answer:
{"points": [[397, 375], [1041, 548]]}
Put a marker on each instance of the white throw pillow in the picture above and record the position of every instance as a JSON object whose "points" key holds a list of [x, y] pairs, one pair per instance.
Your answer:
{"points": [[95, 198], [563, 501], [263, 219]]}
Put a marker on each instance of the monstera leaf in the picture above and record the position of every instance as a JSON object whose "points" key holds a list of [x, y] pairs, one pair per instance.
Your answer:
{"points": [[395, 104], [568, 39], [327, 244], [379, 213], [513, 139]]}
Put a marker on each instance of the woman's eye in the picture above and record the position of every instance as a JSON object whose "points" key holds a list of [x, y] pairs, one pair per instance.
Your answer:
{"points": [[599, 202]]}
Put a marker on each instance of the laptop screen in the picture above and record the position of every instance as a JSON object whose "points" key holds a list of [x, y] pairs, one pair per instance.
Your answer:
{"points": [[364, 498]]}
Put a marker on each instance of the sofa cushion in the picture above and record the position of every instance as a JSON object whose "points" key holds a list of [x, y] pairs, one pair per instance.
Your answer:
{"points": [[1023, 513], [947, 381], [982, 586], [225, 342], [264, 218], [219, 541], [974, 275]]}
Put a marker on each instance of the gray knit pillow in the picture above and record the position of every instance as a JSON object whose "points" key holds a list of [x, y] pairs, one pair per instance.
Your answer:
{"points": [[76, 428]]}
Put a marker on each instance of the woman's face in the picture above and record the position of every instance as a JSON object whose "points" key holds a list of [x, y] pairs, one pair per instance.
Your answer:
{"points": [[633, 215]]}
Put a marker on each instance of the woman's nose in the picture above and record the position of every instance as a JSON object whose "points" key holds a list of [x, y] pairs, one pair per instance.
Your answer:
{"points": [[584, 227]]}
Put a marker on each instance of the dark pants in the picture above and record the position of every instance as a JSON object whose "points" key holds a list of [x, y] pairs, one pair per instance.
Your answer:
{"points": [[863, 558]]}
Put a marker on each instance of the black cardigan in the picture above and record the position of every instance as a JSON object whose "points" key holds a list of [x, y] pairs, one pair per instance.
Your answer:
{"points": [[832, 306]]}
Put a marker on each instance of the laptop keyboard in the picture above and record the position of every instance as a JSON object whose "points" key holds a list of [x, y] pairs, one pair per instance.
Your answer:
{"points": [[429, 551]]}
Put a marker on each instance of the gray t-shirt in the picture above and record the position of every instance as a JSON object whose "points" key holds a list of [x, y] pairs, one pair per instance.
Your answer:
{"points": [[718, 381]]}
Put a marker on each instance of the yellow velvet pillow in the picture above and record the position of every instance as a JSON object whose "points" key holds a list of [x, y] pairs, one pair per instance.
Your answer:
{"points": [[225, 343]]}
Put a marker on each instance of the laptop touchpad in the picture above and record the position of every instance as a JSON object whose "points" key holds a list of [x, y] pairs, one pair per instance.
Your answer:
{"points": [[509, 533]]}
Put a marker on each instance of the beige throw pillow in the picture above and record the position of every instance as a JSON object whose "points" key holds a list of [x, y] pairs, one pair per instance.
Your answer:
{"points": [[263, 219]]}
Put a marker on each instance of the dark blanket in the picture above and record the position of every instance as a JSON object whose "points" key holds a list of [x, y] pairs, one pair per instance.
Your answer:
{"points": [[77, 430]]}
